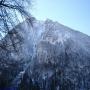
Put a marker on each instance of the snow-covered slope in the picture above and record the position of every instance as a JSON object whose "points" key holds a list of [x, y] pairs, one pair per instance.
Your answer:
{"points": [[48, 56]]}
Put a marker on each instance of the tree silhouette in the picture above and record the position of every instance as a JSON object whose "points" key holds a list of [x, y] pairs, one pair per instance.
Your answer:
{"points": [[11, 11]]}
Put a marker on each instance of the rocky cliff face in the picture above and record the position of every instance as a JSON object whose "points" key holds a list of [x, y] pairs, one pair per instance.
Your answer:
{"points": [[45, 56]]}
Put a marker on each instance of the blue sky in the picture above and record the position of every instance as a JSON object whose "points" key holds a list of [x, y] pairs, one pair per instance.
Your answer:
{"points": [[72, 13]]}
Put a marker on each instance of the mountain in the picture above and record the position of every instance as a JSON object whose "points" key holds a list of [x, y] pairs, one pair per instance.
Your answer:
{"points": [[45, 55]]}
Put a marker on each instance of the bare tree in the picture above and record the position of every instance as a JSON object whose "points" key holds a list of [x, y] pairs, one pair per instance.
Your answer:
{"points": [[10, 11]]}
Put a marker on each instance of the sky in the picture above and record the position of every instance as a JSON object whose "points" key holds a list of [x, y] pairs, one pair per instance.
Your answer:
{"points": [[72, 13]]}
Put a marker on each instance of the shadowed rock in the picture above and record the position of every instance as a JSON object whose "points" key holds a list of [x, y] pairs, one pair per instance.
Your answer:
{"points": [[52, 57]]}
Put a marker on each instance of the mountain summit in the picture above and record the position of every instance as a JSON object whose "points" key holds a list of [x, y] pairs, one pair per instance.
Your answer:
{"points": [[45, 55]]}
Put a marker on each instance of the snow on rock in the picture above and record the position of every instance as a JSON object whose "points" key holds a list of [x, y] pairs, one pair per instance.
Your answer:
{"points": [[46, 56]]}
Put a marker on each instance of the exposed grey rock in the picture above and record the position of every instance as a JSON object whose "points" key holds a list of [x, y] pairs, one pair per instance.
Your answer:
{"points": [[47, 56]]}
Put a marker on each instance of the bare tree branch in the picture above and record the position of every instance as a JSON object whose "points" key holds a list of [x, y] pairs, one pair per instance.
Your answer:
{"points": [[8, 16]]}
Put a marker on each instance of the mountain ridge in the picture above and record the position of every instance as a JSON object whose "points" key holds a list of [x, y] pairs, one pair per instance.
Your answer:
{"points": [[51, 51]]}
